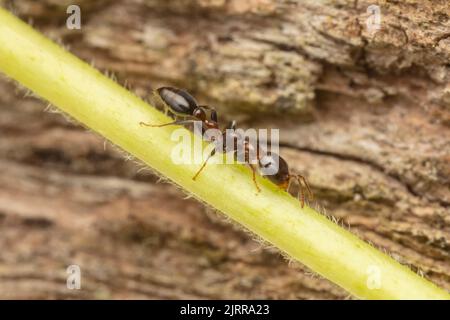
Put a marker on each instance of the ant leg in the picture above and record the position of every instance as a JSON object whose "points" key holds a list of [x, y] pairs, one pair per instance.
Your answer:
{"points": [[301, 184], [213, 152], [305, 182], [254, 176], [302, 193], [179, 122]]}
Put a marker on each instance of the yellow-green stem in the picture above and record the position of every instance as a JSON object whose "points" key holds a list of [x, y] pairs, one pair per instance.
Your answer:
{"points": [[112, 111]]}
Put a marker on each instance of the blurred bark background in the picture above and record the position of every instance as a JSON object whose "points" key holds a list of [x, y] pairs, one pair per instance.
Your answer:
{"points": [[366, 117]]}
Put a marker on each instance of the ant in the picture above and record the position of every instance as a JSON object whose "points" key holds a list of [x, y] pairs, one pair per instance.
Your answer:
{"points": [[182, 103]]}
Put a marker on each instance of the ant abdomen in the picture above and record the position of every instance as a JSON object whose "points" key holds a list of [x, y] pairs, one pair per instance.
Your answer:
{"points": [[179, 101]]}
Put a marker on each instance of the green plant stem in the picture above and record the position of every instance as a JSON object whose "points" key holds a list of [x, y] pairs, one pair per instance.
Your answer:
{"points": [[304, 234]]}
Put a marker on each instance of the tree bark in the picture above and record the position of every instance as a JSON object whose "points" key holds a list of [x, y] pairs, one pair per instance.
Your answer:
{"points": [[365, 116]]}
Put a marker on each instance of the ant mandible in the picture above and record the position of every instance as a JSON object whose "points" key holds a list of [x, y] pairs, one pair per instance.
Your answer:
{"points": [[182, 103]]}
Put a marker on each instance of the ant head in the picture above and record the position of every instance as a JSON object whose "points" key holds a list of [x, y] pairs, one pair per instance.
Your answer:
{"points": [[179, 101]]}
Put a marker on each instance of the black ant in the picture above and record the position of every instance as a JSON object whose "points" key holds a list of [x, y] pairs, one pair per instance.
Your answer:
{"points": [[182, 103]]}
